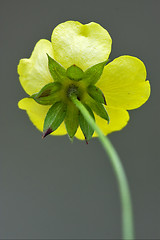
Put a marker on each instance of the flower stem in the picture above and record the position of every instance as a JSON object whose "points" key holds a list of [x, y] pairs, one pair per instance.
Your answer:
{"points": [[127, 215]]}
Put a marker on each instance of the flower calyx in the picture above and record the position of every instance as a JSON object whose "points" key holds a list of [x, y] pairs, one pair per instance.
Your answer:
{"points": [[74, 73], [69, 82], [54, 118], [48, 94]]}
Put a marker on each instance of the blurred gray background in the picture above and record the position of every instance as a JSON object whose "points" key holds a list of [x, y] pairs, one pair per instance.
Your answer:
{"points": [[52, 189]]}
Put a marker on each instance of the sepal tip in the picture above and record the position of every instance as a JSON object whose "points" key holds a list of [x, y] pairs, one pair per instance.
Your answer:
{"points": [[47, 132]]}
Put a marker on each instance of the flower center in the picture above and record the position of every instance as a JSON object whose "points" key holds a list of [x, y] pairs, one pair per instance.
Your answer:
{"points": [[73, 90]]}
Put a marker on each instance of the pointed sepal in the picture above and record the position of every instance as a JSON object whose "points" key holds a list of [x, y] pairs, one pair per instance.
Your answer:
{"points": [[93, 74], [71, 120], [99, 109], [96, 94], [54, 118], [47, 95], [47, 132], [85, 127], [74, 73], [57, 71]]}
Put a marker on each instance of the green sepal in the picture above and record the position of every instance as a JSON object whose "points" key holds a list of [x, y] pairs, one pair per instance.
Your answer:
{"points": [[47, 95], [54, 118], [57, 71], [74, 73], [85, 127], [93, 74], [96, 94], [71, 120], [99, 109]]}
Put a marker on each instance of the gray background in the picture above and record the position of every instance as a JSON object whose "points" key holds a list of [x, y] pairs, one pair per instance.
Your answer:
{"points": [[57, 190]]}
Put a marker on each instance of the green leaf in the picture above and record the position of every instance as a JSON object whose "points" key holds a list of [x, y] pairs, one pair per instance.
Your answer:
{"points": [[99, 109], [71, 120], [96, 94], [57, 71], [54, 118], [47, 96], [85, 127], [74, 73], [93, 74]]}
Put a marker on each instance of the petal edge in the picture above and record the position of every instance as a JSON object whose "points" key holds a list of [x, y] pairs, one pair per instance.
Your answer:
{"points": [[124, 84], [34, 72], [83, 45], [37, 113]]}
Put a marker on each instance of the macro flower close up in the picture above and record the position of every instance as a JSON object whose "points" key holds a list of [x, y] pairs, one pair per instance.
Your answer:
{"points": [[75, 64]]}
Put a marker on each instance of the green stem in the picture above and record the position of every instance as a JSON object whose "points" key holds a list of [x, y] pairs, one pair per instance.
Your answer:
{"points": [[127, 215]]}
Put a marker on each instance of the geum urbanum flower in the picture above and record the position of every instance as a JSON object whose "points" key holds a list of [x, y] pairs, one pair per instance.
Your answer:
{"points": [[75, 63]]}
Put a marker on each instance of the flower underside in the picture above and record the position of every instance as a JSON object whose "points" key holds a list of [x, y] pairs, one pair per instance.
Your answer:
{"points": [[74, 64], [69, 82]]}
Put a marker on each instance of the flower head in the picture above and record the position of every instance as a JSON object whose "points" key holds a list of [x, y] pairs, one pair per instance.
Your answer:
{"points": [[75, 63]]}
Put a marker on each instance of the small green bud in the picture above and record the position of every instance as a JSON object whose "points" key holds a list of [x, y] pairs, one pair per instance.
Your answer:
{"points": [[85, 127], [47, 96], [99, 109], [96, 94], [71, 120], [54, 118], [93, 74], [57, 71], [74, 73]]}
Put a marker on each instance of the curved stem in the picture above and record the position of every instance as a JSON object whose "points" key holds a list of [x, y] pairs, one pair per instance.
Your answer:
{"points": [[127, 215]]}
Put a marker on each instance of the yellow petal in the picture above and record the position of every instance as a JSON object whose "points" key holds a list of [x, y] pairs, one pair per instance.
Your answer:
{"points": [[123, 83], [33, 72], [118, 120], [37, 113], [83, 45]]}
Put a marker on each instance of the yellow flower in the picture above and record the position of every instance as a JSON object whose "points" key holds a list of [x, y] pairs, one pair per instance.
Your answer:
{"points": [[123, 81]]}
